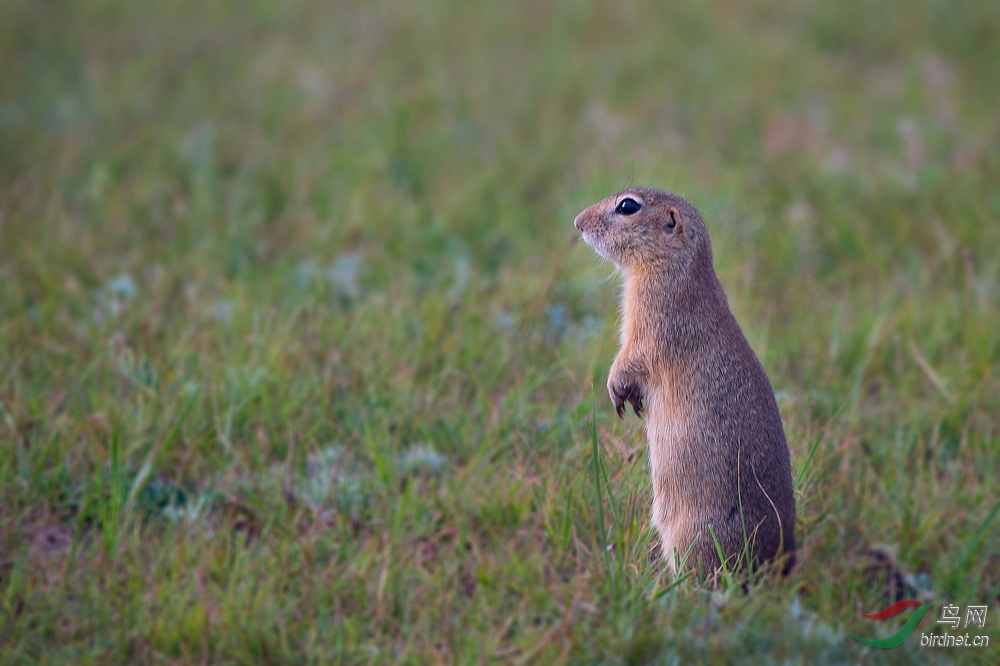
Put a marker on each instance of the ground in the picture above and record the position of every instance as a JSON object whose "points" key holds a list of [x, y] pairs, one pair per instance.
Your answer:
{"points": [[300, 360]]}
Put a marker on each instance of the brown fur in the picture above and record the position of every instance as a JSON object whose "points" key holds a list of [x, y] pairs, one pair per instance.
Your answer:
{"points": [[715, 435]]}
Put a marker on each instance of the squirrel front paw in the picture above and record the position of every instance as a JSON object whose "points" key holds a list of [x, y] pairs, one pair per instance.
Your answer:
{"points": [[625, 387]]}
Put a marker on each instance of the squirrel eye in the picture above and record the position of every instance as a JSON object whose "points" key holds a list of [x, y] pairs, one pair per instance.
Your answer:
{"points": [[628, 207]]}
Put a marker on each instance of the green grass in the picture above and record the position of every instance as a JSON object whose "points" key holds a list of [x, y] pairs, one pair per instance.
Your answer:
{"points": [[299, 362]]}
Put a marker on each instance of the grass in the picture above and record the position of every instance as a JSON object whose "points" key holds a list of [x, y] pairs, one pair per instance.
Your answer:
{"points": [[300, 363]]}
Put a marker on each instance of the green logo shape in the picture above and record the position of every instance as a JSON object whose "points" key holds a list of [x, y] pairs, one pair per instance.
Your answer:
{"points": [[900, 636]]}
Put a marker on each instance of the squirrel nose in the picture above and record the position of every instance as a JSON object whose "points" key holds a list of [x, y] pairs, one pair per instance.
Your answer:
{"points": [[576, 223]]}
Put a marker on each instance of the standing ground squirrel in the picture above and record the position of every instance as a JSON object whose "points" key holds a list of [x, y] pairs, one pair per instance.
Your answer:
{"points": [[717, 450]]}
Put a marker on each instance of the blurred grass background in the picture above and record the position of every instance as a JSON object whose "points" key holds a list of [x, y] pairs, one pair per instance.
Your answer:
{"points": [[299, 356]]}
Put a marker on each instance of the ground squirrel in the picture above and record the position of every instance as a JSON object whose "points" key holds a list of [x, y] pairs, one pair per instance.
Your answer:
{"points": [[717, 448]]}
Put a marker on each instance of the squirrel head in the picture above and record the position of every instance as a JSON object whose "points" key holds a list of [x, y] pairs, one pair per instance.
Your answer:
{"points": [[643, 230]]}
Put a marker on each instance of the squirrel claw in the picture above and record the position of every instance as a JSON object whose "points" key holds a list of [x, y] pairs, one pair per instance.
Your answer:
{"points": [[627, 396], [636, 402], [619, 403]]}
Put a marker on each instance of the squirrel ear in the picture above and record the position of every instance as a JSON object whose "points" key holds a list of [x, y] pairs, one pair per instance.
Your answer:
{"points": [[673, 218]]}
